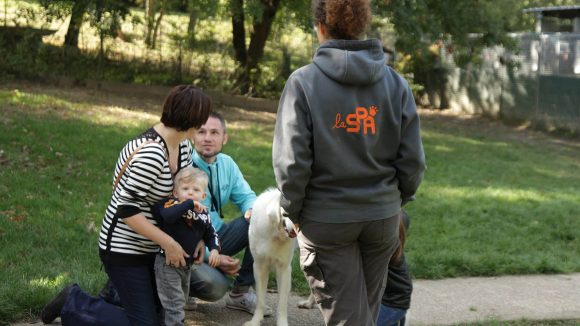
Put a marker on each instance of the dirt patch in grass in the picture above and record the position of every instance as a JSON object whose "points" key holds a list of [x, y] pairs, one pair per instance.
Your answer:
{"points": [[132, 97], [485, 127], [150, 99], [127, 96]]}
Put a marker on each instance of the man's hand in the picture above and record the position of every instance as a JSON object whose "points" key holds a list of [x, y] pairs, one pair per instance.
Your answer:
{"points": [[229, 265], [296, 227], [248, 215]]}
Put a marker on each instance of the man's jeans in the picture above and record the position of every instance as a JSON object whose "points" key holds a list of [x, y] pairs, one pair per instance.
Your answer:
{"points": [[210, 284], [389, 316]]}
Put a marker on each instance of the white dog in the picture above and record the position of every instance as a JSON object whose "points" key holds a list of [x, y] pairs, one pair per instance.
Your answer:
{"points": [[272, 244]]}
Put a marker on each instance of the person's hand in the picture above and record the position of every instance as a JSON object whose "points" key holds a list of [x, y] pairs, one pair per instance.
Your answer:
{"points": [[199, 252], [198, 207], [214, 258], [229, 265], [248, 215], [296, 228], [174, 254]]}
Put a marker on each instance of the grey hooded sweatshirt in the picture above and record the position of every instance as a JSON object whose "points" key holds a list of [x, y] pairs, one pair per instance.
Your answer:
{"points": [[347, 146]]}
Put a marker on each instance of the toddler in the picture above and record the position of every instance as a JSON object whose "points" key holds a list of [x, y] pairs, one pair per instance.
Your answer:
{"points": [[183, 218]]}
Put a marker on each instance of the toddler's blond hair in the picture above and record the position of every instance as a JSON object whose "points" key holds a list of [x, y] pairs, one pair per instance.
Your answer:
{"points": [[189, 174]]}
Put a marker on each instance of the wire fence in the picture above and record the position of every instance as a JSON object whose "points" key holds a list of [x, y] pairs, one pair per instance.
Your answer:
{"points": [[538, 83]]}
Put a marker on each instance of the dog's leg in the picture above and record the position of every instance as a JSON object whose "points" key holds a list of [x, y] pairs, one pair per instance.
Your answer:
{"points": [[261, 277], [308, 303], [284, 279]]}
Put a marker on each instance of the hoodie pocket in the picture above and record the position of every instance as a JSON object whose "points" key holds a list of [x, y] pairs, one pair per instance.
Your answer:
{"points": [[315, 277]]}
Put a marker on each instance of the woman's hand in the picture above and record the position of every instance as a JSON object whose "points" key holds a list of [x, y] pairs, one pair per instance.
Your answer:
{"points": [[229, 265], [199, 252], [174, 254]]}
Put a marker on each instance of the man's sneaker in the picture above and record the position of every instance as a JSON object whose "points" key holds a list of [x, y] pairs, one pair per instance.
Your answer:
{"points": [[245, 302], [190, 304], [53, 308]]}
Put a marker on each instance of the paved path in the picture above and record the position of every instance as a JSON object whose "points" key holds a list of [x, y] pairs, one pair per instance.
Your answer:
{"points": [[441, 302], [462, 300]]}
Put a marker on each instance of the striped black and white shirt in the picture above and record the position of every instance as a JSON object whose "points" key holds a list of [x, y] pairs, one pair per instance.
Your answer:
{"points": [[147, 180]]}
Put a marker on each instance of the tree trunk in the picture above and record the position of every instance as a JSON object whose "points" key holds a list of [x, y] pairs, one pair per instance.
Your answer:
{"points": [[76, 21], [150, 20], [248, 58], [156, 29], [101, 53], [191, 28], [239, 31], [261, 32], [286, 67]]}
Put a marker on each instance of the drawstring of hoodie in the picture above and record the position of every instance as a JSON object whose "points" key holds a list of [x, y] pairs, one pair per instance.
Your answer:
{"points": [[215, 202]]}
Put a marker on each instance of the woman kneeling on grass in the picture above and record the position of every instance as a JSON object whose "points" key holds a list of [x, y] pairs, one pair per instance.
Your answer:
{"points": [[129, 238]]}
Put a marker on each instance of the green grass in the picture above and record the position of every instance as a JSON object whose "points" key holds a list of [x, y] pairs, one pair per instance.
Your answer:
{"points": [[56, 176], [492, 205], [493, 201]]}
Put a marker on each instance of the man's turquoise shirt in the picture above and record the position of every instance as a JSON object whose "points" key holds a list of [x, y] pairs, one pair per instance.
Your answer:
{"points": [[232, 186]]}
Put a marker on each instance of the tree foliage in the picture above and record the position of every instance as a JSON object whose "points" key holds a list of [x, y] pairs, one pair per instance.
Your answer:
{"points": [[198, 10], [462, 27], [105, 14], [423, 27], [419, 23]]}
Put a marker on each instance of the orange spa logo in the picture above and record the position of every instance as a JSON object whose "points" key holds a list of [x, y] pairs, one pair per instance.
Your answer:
{"points": [[362, 118]]}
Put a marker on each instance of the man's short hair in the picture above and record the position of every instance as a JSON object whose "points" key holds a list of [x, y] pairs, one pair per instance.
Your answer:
{"points": [[220, 117]]}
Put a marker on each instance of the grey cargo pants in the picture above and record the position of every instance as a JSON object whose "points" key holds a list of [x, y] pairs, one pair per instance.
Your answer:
{"points": [[345, 265]]}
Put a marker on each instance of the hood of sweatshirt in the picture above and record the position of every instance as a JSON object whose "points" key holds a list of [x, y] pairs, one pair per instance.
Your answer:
{"points": [[351, 62]]}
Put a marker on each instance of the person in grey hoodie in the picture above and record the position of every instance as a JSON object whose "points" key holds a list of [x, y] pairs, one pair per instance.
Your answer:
{"points": [[347, 153]]}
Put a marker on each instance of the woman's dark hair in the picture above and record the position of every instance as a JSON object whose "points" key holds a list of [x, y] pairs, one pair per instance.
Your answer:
{"points": [[185, 107], [343, 19]]}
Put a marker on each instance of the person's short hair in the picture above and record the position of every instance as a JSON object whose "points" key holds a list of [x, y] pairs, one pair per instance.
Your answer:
{"points": [[343, 19], [220, 117], [185, 107], [189, 174]]}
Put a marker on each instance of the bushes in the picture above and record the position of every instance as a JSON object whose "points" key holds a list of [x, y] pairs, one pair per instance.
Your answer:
{"points": [[19, 48], [30, 59]]}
